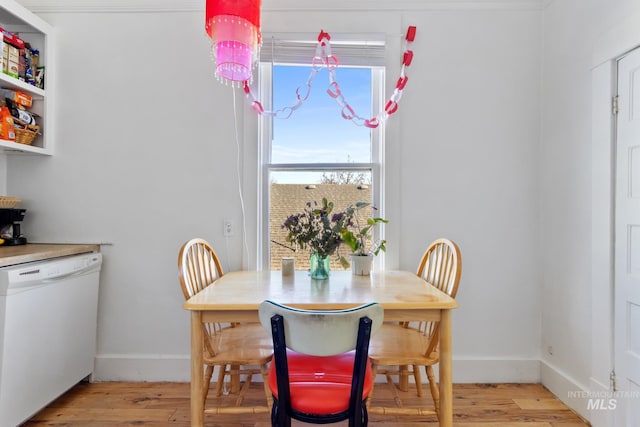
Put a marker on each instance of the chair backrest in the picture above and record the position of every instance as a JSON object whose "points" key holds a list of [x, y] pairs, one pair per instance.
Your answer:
{"points": [[198, 266], [321, 333], [441, 265]]}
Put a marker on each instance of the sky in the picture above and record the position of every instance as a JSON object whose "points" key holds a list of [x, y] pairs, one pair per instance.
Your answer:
{"points": [[316, 132]]}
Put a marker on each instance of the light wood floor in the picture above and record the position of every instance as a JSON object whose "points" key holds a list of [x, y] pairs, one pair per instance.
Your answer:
{"points": [[126, 404]]}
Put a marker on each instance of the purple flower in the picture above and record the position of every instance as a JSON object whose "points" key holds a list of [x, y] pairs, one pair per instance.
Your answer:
{"points": [[291, 221]]}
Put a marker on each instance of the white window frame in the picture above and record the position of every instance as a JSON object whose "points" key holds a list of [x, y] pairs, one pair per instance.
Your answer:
{"points": [[265, 133]]}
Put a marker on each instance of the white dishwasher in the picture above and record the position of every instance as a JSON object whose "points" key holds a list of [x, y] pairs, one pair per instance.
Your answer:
{"points": [[48, 320]]}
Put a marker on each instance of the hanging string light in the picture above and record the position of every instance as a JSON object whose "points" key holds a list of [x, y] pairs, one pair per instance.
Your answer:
{"points": [[234, 29]]}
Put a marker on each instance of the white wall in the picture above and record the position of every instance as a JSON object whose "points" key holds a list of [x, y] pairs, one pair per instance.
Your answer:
{"points": [[469, 132], [565, 198], [145, 159]]}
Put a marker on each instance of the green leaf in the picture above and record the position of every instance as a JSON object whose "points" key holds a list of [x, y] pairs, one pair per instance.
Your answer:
{"points": [[380, 247], [364, 230], [343, 262], [350, 240]]}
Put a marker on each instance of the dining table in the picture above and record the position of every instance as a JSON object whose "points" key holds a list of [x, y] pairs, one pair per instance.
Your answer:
{"points": [[236, 296]]}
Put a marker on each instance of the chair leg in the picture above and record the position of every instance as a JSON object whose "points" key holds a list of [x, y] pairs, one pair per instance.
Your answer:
{"points": [[220, 382], [374, 373], [359, 418], [274, 415], [234, 378], [365, 416], [279, 416], [244, 387], [403, 377], [417, 378], [264, 370], [208, 372], [435, 392]]}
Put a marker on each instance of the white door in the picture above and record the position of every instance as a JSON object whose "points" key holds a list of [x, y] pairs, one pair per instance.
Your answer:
{"points": [[627, 244]]}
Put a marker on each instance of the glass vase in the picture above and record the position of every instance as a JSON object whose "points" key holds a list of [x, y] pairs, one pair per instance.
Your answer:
{"points": [[320, 266]]}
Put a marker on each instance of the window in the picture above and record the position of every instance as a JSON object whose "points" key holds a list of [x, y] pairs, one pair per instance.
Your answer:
{"points": [[316, 153]]}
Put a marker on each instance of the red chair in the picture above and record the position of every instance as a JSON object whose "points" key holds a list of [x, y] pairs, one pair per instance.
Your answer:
{"points": [[320, 372]]}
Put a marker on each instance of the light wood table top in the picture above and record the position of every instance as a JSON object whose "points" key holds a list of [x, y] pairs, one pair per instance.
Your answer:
{"points": [[245, 290]]}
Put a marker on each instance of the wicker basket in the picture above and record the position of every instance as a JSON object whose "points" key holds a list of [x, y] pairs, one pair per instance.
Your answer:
{"points": [[27, 135], [9, 202]]}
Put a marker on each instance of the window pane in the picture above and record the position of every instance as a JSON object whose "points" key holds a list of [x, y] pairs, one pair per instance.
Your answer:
{"points": [[289, 193], [316, 132]]}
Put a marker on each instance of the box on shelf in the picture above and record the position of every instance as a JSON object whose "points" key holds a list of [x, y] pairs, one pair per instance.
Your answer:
{"points": [[4, 51], [13, 62], [12, 39], [19, 60], [7, 127], [18, 97], [39, 78], [11, 53]]}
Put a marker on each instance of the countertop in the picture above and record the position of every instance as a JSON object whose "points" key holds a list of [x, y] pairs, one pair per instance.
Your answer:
{"points": [[11, 255]]}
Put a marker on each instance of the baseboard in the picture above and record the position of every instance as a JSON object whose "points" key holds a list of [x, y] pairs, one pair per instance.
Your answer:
{"points": [[142, 367], [496, 371], [145, 367], [565, 388]]}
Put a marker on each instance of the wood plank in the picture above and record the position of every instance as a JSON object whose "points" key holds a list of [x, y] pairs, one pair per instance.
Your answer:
{"points": [[87, 415], [547, 404]]}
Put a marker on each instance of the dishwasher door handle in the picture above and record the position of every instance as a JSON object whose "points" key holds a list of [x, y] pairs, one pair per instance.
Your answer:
{"points": [[27, 286], [68, 275]]}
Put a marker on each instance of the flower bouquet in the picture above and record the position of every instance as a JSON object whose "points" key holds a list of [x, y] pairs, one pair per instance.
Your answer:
{"points": [[318, 229]]}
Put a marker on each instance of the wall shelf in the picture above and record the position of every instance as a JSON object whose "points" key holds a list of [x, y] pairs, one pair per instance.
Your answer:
{"points": [[40, 35]]}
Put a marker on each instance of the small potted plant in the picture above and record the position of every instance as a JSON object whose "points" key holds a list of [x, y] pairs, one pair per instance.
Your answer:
{"points": [[356, 234]]}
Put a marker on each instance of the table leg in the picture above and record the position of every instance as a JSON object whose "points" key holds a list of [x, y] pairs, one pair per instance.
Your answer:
{"points": [[197, 397], [445, 369]]}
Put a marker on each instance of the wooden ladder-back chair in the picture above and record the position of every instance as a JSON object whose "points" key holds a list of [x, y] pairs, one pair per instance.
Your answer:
{"points": [[236, 349], [415, 344], [320, 372]]}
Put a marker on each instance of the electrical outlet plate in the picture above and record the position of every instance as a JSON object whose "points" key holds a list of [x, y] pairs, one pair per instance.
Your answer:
{"points": [[228, 228]]}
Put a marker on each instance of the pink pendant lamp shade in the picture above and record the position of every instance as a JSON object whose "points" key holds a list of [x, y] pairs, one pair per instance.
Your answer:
{"points": [[234, 28]]}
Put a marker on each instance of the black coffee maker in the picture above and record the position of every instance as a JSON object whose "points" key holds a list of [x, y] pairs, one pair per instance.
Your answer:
{"points": [[10, 234]]}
